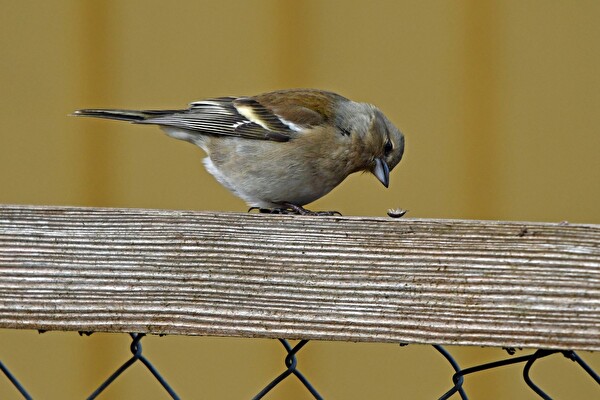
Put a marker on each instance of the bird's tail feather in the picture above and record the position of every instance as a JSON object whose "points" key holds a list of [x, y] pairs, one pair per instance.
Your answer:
{"points": [[122, 115]]}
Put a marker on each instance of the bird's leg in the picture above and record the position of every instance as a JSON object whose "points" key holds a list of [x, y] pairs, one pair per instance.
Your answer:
{"points": [[296, 209], [293, 209], [303, 211], [272, 210]]}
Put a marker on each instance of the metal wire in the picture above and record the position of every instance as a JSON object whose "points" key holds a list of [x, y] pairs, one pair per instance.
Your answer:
{"points": [[571, 355], [290, 362], [458, 384], [14, 381], [528, 360], [538, 354], [136, 350]]}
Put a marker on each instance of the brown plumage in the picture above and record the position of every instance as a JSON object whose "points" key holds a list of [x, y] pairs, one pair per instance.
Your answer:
{"points": [[280, 149]]}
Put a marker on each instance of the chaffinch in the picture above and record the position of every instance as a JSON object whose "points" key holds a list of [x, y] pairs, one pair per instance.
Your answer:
{"points": [[282, 149]]}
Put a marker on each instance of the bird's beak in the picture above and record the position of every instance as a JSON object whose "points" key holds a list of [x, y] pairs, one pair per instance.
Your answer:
{"points": [[382, 171]]}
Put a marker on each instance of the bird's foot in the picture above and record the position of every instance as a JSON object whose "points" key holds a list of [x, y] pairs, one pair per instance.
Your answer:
{"points": [[303, 211], [292, 209], [272, 210]]}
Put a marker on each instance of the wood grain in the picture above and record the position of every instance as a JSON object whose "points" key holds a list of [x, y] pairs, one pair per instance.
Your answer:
{"points": [[517, 284]]}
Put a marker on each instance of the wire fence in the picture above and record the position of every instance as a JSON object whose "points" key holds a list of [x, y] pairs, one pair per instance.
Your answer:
{"points": [[291, 369]]}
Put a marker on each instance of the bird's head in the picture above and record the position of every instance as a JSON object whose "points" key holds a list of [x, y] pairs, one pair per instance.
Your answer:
{"points": [[379, 145], [387, 144]]}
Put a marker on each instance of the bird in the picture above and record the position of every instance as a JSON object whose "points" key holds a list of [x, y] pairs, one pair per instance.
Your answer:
{"points": [[281, 150]]}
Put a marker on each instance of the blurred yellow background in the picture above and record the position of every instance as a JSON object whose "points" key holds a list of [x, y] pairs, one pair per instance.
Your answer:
{"points": [[499, 102]]}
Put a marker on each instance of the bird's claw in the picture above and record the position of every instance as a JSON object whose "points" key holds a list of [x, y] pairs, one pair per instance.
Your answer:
{"points": [[292, 209]]}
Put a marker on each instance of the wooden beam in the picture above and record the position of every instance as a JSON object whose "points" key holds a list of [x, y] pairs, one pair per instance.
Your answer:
{"points": [[488, 283]]}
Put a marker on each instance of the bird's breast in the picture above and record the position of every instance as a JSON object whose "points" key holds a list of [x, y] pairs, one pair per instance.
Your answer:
{"points": [[266, 173]]}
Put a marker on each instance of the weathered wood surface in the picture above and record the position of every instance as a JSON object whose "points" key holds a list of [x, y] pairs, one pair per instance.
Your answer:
{"points": [[489, 283]]}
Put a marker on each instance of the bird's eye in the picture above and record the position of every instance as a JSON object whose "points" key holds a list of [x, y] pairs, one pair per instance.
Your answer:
{"points": [[388, 147]]}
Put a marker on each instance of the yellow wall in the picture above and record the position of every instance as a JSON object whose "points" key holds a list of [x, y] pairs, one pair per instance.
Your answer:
{"points": [[499, 101]]}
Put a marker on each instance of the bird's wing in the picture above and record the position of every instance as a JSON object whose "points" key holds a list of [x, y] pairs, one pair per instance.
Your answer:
{"points": [[277, 116]]}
